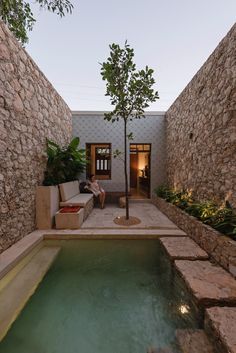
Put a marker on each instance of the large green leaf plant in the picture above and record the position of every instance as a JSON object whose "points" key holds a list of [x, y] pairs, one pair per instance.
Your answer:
{"points": [[64, 164]]}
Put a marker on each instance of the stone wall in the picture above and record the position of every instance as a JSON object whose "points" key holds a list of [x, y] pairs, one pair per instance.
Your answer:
{"points": [[30, 111], [220, 248], [201, 128]]}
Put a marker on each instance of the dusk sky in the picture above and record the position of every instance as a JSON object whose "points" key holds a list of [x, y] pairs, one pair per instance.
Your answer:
{"points": [[174, 37]]}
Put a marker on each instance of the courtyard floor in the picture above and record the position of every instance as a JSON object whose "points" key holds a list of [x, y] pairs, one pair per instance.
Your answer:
{"points": [[150, 216]]}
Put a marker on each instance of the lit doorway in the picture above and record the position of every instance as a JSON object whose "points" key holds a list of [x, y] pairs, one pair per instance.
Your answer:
{"points": [[140, 170]]}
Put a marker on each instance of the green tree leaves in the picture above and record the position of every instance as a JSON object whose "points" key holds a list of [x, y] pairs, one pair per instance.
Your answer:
{"points": [[60, 7], [18, 16], [130, 90]]}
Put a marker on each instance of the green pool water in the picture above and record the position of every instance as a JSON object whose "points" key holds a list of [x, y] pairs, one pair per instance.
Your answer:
{"points": [[107, 296]]}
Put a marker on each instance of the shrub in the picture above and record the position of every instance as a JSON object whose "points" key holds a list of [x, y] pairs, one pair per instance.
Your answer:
{"points": [[162, 191], [222, 218], [202, 210], [224, 221], [179, 198], [182, 199]]}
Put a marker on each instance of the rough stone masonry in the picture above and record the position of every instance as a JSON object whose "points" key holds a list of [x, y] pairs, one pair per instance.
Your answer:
{"points": [[30, 111], [201, 128]]}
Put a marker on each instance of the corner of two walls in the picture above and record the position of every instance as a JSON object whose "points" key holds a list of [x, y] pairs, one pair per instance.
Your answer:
{"points": [[30, 111], [201, 129]]}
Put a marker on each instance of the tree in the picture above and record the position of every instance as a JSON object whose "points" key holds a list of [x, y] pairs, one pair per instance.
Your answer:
{"points": [[18, 16], [130, 93]]}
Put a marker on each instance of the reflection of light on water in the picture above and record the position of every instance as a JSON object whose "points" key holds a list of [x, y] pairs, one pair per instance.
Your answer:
{"points": [[184, 309]]}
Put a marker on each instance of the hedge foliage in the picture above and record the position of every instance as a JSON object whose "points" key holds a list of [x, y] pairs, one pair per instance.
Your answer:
{"points": [[219, 217]]}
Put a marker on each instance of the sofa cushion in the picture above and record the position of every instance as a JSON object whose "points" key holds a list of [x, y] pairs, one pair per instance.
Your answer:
{"points": [[69, 190], [78, 200]]}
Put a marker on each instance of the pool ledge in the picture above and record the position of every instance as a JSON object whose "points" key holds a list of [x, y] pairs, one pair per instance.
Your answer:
{"points": [[18, 291], [10, 257]]}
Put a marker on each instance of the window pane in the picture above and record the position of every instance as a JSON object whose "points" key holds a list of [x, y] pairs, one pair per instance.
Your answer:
{"points": [[147, 147]]}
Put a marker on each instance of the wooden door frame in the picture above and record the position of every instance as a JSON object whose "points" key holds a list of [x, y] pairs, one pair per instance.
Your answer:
{"points": [[88, 144], [150, 163]]}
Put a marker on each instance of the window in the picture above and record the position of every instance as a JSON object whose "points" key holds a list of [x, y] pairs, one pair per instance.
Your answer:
{"points": [[102, 160], [99, 157], [134, 148]]}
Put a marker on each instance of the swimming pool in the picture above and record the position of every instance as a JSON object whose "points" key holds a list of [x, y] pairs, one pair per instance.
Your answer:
{"points": [[103, 296]]}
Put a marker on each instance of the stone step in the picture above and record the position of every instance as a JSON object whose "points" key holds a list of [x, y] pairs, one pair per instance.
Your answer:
{"points": [[14, 296], [117, 233], [193, 341], [210, 284], [133, 200], [220, 323], [183, 248]]}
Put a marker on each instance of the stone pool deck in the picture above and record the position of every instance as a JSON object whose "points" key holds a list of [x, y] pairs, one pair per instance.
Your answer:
{"points": [[183, 248], [212, 287], [150, 216]]}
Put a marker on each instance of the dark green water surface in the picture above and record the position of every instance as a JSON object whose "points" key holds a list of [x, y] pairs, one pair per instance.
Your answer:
{"points": [[112, 296]]}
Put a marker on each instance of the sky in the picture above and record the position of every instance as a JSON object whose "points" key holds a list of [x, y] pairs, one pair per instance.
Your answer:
{"points": [[173, 37]]}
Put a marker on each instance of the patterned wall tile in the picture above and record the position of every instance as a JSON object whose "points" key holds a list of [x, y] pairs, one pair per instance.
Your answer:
{"points": [[94, 129]]}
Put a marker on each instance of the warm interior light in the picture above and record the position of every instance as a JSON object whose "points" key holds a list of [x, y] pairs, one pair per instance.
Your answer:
{"points": [[184, 309]]}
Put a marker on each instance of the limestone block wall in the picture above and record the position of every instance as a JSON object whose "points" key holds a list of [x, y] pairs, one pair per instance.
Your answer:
{"points": [[30, 111], [201, 128]]}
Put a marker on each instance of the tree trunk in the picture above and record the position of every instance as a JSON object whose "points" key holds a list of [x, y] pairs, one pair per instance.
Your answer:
{"points": [[125, 169]]}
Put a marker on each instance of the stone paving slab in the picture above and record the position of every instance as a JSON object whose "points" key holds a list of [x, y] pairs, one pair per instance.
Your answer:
{"points": [[210, 284], [221, 323], [183, 248], [113, 234], [148, 213], [193, 341]]}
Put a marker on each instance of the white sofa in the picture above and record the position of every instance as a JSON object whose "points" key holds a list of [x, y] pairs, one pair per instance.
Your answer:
{"points": [[71, 196]]}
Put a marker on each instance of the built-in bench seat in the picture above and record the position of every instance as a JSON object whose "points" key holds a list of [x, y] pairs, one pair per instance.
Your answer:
{"points": [[71, 196], [78, 200]]}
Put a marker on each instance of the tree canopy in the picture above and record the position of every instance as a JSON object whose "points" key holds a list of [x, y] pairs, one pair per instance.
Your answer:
{"points": [[18, 16]]}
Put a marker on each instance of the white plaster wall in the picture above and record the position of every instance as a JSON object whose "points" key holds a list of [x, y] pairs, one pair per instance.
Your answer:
{"points": [[92, 128]]}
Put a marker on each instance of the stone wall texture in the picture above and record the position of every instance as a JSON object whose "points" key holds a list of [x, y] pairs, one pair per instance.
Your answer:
{"points": [[201, 128], [220, 248], [30, 111]]}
